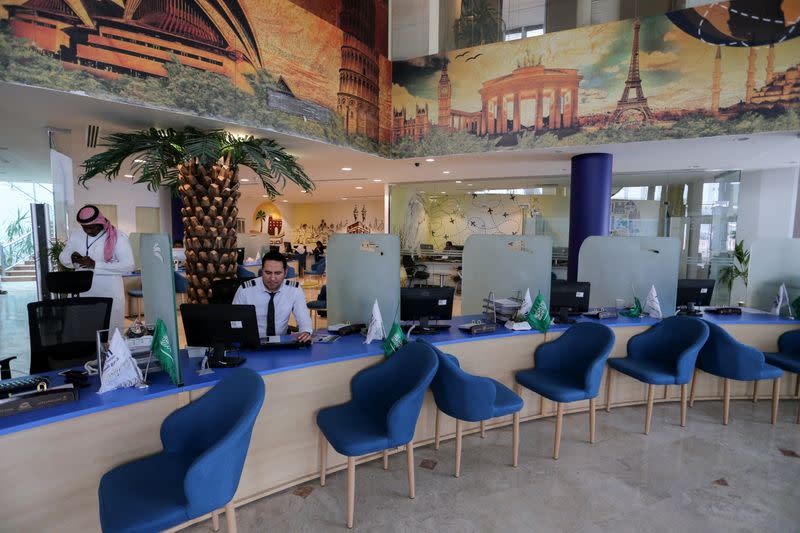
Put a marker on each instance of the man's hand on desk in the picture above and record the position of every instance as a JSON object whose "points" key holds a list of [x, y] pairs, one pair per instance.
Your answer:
{"points": [[304, 336]]}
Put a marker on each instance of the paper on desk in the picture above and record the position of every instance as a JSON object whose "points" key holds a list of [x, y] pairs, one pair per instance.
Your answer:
{"points": [[375, 330], [527, 303], [120, 369]]}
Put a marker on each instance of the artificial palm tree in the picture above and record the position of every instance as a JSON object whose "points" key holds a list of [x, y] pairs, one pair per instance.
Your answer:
{"points": [[202, 168]]}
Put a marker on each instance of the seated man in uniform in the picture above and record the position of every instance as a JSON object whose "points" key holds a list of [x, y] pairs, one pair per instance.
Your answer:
{"points": [[275, 298]]}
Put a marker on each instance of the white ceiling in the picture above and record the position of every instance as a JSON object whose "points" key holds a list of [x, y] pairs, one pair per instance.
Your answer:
{"points": [[24, 150]]}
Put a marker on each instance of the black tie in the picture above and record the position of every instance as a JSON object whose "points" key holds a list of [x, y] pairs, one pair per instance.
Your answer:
{"points": [[271, 315]]}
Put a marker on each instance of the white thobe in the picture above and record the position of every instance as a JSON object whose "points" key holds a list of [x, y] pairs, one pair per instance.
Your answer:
{"points": [[107, 280]]}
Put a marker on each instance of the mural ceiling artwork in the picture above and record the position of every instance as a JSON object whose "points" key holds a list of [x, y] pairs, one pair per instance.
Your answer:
{"points": [[727, 68], [324, 74]]}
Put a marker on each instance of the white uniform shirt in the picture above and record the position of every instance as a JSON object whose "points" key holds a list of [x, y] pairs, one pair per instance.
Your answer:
{"points": [[289, 299]]}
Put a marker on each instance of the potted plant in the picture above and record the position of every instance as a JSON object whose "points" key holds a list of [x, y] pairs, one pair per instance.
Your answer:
{"points": [[202, 168], [740, 269], [56, 247]]}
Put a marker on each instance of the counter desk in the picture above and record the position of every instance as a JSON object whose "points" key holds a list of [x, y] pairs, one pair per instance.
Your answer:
{"points": [[53, 459]]}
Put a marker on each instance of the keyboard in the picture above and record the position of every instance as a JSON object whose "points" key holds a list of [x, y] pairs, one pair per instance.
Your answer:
{"points": [[21, 384], [282, 345]]}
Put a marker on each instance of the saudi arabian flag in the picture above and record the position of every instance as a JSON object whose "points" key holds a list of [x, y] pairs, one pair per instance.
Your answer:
{"points": [[162, 351], [394, 340], [635, 311], [539, 315]]}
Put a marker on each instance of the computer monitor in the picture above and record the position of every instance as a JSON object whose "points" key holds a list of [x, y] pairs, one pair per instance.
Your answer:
{"points": [[694, 291], [220, 326], [423, 304], [568, 297], [458, 247], [240, 256], [425, 247]]}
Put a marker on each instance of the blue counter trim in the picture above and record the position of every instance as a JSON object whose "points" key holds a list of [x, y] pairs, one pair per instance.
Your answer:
{"points": [[271, 362]]}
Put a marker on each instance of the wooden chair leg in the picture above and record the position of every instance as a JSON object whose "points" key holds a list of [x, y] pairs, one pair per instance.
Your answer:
{"points": [[386, 459], [797, 386], [410, 466], [436, 431], [230, 517], [351, 490], [591, 421], [755, 391], [323, 458], [515, 440], [683, 405], [483, 429], [609, 388], [726, 401], [215, 521], [694, 382], [459, 429], [776, 389], [559, 420], [797, 421], [651, 390]]}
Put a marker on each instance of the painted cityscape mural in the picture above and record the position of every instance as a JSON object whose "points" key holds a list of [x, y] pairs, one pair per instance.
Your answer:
{"points": [[725, 68], [314, 68]]}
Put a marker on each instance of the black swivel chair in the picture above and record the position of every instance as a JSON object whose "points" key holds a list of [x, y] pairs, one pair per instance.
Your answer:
{"points": [[223, 290], [69, 283], [64, 332], [414, 272]]}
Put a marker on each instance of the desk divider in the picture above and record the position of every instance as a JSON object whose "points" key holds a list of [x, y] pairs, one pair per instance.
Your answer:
{"points": [[773, 262], [361, 268], [616, 266], [505, 264]]}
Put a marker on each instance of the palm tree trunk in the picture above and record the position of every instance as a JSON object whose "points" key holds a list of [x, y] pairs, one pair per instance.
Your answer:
{"points": [[209, 197]]}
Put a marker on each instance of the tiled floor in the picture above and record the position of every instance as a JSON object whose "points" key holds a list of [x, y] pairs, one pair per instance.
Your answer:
{"points": [[14, 336], [706, 477]]}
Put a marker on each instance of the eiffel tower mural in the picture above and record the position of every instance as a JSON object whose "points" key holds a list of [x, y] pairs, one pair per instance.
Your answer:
{"points": [[633, 109]]}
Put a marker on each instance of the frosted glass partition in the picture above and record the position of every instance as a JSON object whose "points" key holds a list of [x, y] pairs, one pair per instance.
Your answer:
{"points": [[772, 262], [506, 265], [618, 266], [360, 269]]}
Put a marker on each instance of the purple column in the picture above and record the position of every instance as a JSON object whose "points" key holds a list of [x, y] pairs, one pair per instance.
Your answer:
{"points": [[177, 220], [589, 204]]}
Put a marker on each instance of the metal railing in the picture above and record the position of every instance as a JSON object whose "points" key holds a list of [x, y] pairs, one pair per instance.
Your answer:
{"points": [[15, 252]]}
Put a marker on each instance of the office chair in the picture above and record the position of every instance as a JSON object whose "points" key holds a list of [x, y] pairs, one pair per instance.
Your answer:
{"points": [[787, 358], [72, 282], [223, 290], [181, 286], [414, 272], [64, 332], [320, 305], [243, 273]]}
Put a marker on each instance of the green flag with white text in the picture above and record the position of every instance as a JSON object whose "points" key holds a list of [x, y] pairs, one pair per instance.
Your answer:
{"points": [[161, 350], [394, 340], [635, 311], [539, 315]]}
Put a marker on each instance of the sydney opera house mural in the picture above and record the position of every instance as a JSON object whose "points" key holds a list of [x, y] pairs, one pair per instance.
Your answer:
{"points": [[313, 68], [726, 68]]}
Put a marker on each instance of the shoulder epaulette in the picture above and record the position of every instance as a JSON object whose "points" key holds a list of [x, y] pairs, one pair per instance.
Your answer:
{"points": [[292, 283], [249, 283]]}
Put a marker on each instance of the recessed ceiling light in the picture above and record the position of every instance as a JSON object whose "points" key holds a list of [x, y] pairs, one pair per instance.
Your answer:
{"points": [[430, 160], [444, 192], [377, 180], [244, 179], [359, 187], [458, 181], [303, 191], [347, 169], [265, 196], [128, 175], [445, 172], [469, 185], [285, 201], [344, 197], [140, 161]]}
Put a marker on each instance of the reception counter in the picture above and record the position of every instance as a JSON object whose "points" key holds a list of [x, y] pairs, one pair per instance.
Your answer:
{"points": [[53, 458]]}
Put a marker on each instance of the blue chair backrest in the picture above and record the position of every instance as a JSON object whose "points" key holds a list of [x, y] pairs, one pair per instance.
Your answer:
{"points": [[724, 356], [243, 273], [181, 283], [319, 266], [290, 273], [395, 388], [323, 293], [676, 340], [580, 353], [214, 432], [789, 342], [458, 393]]}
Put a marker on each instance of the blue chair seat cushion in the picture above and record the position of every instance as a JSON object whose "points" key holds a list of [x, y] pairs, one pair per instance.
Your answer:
{"points": [[144, 495], [770, 372], [555, 384], [354, 431], [787, 361], [317, 304], [136, 293], [651, 371], [506, 401]]}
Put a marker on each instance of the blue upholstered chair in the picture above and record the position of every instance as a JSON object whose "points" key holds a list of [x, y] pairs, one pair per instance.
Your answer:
{"points": [[320, 305], [788, 359], [138, 295], [382, 413], [724, 356], [181, 285], [243, 273], [197, 472], [317, 269], [665, 354], [570, 369], [472, 398], [291, 273]]}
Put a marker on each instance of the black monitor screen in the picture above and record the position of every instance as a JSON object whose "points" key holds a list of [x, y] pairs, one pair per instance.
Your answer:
{"points": [[572, 296], [426, 303], [240, 256], [426, 247], [211, 324], [696, 291]]}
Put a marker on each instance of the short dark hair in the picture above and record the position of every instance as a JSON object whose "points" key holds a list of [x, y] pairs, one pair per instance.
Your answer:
{"points": [[274, 256]]}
